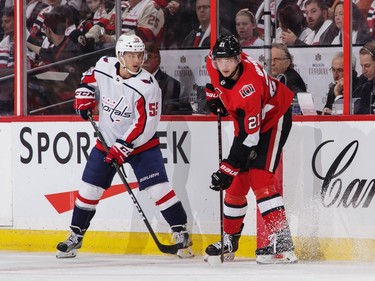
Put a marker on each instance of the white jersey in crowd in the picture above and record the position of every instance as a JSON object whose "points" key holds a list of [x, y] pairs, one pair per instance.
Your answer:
{"points": [[130, 108]]}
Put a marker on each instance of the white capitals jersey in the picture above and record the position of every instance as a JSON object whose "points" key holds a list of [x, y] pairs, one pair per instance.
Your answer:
{"points": [[129, 109]]}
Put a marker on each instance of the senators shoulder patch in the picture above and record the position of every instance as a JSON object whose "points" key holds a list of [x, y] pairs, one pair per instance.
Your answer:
{"points": [[247, 90]]}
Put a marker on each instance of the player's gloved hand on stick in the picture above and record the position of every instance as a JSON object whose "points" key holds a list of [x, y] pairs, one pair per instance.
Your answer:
{"points": [[118, 152], [223, 178], [213, 101], [84, 101]]}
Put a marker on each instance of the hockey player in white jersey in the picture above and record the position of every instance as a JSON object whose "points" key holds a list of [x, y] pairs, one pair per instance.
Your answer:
{"points": [[129, 113]]}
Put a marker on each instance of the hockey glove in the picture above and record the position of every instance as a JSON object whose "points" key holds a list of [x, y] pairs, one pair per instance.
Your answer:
{"points": [[213, 101], [84, 101], [223, 178], [118, 152]]}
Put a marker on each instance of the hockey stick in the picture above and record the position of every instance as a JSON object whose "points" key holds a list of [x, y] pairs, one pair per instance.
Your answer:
{"points": [[220, 146], [167, 249]]}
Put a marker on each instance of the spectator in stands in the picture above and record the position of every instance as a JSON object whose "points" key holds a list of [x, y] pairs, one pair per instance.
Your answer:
{"points": [[7, 44], [7, 62], [178, 21], [246, 28], [292, 25], [360, 32], [96, 12], [365, 90], [33, 8], [201, 37], [336, 89], [141, 17], [62, 48], [75, 6], [371, 20], [170, 87], [318, 22], [282, 68], [37, 35], [55, 24]]}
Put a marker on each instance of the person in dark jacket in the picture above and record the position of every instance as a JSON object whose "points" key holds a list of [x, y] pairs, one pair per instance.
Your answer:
{"points": [[283, 68], [366, 89], [336, 89], [170, 87], [200, 37]]}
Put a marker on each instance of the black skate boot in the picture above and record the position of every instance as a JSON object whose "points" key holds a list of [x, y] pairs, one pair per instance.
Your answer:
{"points": [[230, 242], [280, 249], [68, 248], [181, 237]]}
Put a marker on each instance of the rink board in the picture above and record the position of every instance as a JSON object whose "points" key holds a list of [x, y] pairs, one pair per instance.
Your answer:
{"points": [[42, 163]]}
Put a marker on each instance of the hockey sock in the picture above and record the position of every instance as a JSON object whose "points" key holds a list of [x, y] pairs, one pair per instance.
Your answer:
{"points": [[175, 215], [81, 218], [235, 208], [168, 203]]}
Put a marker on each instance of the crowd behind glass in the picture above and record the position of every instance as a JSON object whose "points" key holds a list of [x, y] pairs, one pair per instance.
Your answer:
{"points": [[66, 37]]}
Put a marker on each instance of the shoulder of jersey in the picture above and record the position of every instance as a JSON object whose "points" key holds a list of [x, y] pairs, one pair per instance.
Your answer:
{"points": [[147, 78]]}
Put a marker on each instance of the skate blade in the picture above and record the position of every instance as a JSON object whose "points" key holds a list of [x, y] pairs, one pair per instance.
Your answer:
{"points": [[227, 257], [66, 255], [282, 258], [185, 253]]}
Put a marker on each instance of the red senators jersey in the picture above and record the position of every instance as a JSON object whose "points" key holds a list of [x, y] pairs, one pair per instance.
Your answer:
{"points": [[255, 101]]}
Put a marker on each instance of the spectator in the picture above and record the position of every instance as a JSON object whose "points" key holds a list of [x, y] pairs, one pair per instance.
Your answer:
{"points": [[246, 28], [201, 37], [75, 6], [371, 19], [366, 88], [7, 44], [63, 47], [37, 35], [7, 62], [96, 11], [55, 23], [318, 22], [178, 22], [360, 32], [33, 8], [170, 87], [283, 68], [140, 17], [336, 88], [292, 25]]}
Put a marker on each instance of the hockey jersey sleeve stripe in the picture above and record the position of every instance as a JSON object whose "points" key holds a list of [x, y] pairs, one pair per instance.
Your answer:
{"points": [[140, 124]]}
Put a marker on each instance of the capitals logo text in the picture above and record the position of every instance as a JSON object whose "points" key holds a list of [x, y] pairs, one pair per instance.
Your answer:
{"points": [[114, 109]]}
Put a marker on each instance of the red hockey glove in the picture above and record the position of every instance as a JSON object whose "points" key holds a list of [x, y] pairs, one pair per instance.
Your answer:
{"points": [[213, 101], [118, 152], [84, 101], [223, 178]]}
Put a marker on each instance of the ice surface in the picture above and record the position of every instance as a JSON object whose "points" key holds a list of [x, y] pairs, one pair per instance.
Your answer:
{"points": [[21, 266]]}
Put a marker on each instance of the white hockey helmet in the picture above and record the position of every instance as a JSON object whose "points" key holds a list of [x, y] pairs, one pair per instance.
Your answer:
{"points": [[129, 43]]}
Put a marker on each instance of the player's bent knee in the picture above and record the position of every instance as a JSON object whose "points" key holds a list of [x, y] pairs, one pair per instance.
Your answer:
{"points": [[234, 200], [88, 196], [163, 195]]}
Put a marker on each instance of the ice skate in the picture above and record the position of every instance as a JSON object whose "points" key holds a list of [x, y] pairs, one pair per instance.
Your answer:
{"points": [[182, 239], [280, 250], [230, 242], [68, 248]]}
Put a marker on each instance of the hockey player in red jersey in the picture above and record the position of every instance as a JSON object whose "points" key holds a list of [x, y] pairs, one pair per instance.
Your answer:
{"points": [[129, 113], [260, 108]]}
